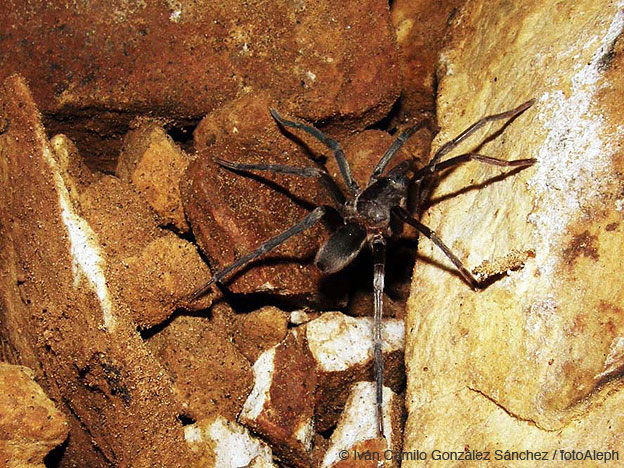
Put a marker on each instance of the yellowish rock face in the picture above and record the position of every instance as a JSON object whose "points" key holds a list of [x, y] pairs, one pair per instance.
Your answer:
{"points": [[540, 349]]}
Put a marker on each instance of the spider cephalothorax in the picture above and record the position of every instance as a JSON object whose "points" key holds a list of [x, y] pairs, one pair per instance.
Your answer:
{"points": [[368, 214]]}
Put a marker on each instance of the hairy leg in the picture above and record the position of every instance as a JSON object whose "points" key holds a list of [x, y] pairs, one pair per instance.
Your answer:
{"points": [[309, 172], [310, 220], [345, 170]]}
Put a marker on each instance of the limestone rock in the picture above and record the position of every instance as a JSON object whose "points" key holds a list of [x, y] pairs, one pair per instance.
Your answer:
{"points": [[30, 424], [257, 331], [153, 164], [534, 359], [356, 431], [228, 443], [60, 314], [210, 376], [342, 348], [107, 63], [160, 279], [420, 27], [151, 270], [281, 404]]}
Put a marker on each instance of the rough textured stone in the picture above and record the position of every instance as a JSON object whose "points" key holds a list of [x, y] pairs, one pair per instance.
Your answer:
{"points": [[356, 431], [59, 313], [210, 376], [151, 270], [223, 443], [281, 405], [233, 213], [102, 63], [534, 360], [30, 424], [153, 164], [159, 280], [257, 331], [420, 27], [342, 348]]}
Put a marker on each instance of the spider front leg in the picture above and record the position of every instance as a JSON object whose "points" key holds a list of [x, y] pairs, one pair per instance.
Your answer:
{"points": [[394, 148], [343, 165], [306, 223], [308, 172], [431, 235], [462, 158], [448, 146], [379, 272]]}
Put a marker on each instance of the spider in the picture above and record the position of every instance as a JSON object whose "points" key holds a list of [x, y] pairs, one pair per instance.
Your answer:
{"points": [[369, 213]]}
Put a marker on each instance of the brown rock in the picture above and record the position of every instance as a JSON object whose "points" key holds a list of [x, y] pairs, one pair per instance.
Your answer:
{"points": [[281, 405], [121, 218], [257, 331], [104, 64], [160, 279], [233, 213], [151, 270], [227, 444], [210, 376], [153, 164], [30, 424], [342, 349], [535, 359], [420, 28], [60, 314], [356, 431], [76, 175]]}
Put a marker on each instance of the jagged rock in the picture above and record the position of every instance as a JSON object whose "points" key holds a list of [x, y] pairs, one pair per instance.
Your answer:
{"points": [[342, 348], [107, 63], [153, 164], [210, 376], [223, 444], [356, 432], [281, 405], [59, 312], [257, 331], [30, 424], [534, 360]]}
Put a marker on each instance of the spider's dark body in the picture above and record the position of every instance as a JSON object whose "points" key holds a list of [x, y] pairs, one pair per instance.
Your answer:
{"points": [[370, 215], [367, 217]]}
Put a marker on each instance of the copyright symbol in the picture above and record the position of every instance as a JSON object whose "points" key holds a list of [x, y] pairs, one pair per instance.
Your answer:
{"points": [[343, 454]]}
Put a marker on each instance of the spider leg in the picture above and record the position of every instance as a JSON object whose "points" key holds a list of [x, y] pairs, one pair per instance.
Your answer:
{"points": [[379, 259], [393, 149], [310, 220], [430, 234], [462, 158], [310, 172], [345, 170], [448, 146]]}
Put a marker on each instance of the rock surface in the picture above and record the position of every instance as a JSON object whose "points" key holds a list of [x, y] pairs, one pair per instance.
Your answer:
{"points": [[533, 360], [154, 164], [60, 314], [210, 376], [103, 63], [420, 27], [232, 213], [356, 431], [30, 424], [223, 444]]}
